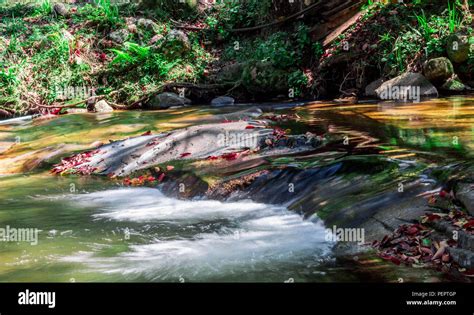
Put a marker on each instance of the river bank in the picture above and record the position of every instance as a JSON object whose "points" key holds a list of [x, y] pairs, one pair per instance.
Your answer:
{"points": [[61, 58]]}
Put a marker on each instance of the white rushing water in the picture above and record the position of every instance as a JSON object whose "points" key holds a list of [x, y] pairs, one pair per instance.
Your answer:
{"points": [[243, 237]]}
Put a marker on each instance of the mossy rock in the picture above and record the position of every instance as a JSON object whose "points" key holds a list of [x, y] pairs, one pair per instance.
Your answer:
{"points": [[438, 70], [458, 47], [454, 85]]}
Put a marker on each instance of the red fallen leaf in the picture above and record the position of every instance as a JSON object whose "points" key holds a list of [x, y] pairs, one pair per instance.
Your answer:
{"points": [[55, 111], [432, 217], [443, 194], [395, 260], [230, 156], [185, 154], [469, 224], [412, 230], [384, 240], [212, 158], [161, 177], [250, 127], [169, 167], [148, 133], [102, 57], [151, 179]]}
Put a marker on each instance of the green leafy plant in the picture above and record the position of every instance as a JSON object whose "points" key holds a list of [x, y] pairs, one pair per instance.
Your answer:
{"points": [[454, 17], [427, 31]]}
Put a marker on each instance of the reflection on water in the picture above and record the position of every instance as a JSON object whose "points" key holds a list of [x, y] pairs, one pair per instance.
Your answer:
{"points": [[93, 231]]}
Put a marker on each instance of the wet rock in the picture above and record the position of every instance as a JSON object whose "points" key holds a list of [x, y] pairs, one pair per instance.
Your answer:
{"points": [[393, 89], [465, 194], [119, 36], [438, 70], [223, 101], [371, 87], [463, 257], [102, 107], [458, 47], [167, 100], [61, 9], [121, 158]]}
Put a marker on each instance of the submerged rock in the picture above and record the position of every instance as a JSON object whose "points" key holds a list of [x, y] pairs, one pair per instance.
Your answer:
{"points": [[405, 87], [223, 101], [167, 100], [438, 70]]}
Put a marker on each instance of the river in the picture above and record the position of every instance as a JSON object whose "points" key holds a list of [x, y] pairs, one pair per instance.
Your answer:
{"points": [[94, 229]]}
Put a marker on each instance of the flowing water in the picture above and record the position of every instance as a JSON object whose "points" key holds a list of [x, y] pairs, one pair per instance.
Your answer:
{"points": [[94, 229]]}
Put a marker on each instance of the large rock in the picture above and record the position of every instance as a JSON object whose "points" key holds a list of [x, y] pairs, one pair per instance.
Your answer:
{"points": [[147, 24], [102, 107], [465, 194], [458, 47], [371, 87], [176, 43], [119, 36], [124, 157], [223, 101], [438, 70], [405, 87], [61, 9], [167, 100]]}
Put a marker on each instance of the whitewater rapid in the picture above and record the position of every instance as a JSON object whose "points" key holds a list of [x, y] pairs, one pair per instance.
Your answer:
{"points": [[237, 238]]}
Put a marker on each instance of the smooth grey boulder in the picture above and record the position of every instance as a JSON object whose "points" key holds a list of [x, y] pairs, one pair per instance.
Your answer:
{"points": [[223, 101], [371, 87], [102, 107], [405, 87], [167, 100]]}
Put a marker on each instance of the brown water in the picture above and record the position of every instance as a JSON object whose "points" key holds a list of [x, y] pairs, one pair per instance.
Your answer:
{"points": [[92, 229]]}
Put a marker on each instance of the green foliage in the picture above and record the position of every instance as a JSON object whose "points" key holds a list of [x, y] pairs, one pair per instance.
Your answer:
{"points": [[296, 80], [454, 17], [318, 49], [426, 30], [110, 10]]}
